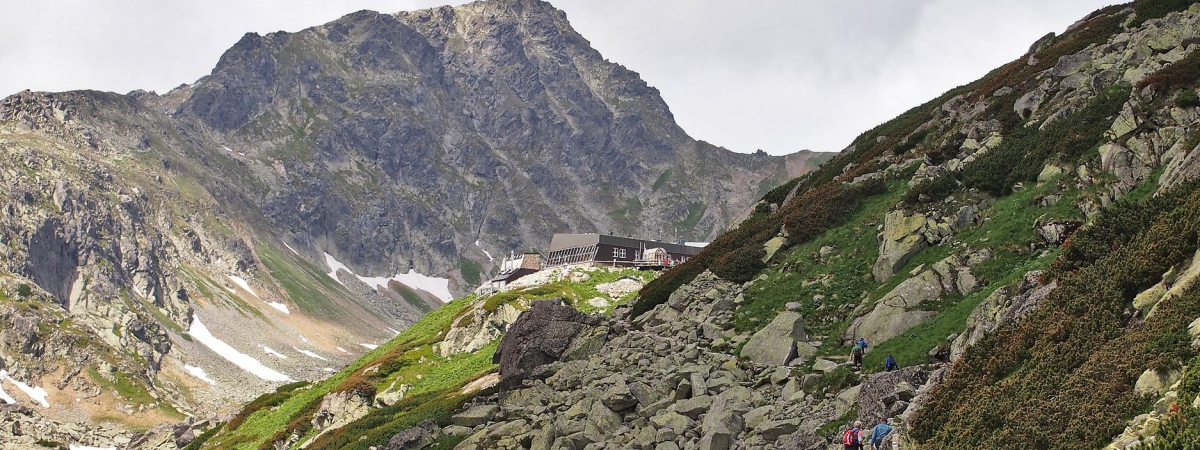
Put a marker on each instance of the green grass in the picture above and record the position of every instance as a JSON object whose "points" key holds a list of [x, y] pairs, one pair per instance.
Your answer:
{"points": [[662, 180], [265, 423], [856, 249], [410, 296], [306, 285], [472, 272], [695, 213]]}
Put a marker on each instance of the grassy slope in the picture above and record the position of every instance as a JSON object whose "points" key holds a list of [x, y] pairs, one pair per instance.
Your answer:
{"points": [[408, 359]]}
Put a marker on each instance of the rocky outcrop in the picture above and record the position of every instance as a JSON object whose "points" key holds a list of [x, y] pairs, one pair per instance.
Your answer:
{"points": [[901, 308], [538, 337], [664, 380], [477, 328], [414, 438], [888, 394], [1002, 306]]}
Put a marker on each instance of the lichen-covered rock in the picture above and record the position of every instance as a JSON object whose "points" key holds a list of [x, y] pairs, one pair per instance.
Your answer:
{"points": [[901, 238]]}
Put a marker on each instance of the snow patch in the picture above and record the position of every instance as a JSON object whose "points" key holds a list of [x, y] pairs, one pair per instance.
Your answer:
{"points": [[280, 306], [242, 360], [4, 395], [199, 373], [329, 369], [344, 351], [274, 353], [35, 393], [489, 255], [292, 249], [439, 287], [370, 346], [230, 150], [393, 330], [243, 284], [84, 447], [335, 266], [310, 354]]}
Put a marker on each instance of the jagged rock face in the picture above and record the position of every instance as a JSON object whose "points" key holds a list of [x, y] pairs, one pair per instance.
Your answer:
{"points": [[400, 140]]}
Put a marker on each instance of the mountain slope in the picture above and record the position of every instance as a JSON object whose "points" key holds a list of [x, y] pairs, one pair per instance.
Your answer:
{"points": [[318, 192], [401, 140], [1024, 246]]}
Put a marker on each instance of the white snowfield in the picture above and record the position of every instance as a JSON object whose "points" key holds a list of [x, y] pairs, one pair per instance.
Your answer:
{"points": [[310, 354], [439, 287], [370, 346], [199, 373], [489, 255], [274, 353], [241, 282], [344, 351], [84, 447], [3, 395], [292, 249], [242, 360], [280, 306], [35, 393]]}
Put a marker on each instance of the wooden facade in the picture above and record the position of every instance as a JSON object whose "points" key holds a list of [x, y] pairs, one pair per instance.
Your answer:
{"points": [[567, 249]]}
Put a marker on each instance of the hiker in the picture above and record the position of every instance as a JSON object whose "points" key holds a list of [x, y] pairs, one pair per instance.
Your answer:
{"points": [[889, 364], [862, 343], [852, 438], [941, 353], [856, 355], [880, 433]]}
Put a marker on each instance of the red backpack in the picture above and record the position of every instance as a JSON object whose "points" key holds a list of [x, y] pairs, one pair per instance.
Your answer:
{"points": [[850, 438]]}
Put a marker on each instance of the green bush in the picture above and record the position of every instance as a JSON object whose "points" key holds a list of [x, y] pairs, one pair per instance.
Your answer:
{"points": [[741, 265], [1182, 73], [1187, 99], [1037, 379], [24, 290], [1154, 9]]}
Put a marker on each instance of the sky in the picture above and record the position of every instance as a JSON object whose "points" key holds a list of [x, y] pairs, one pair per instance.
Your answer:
{"points": [[775, 75]]}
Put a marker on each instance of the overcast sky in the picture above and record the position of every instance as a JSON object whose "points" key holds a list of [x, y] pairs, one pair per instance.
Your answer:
{"points": [[777, 75]]}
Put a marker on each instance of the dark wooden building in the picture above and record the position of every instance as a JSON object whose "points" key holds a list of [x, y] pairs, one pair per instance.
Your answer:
{"points": [[568, 249]]}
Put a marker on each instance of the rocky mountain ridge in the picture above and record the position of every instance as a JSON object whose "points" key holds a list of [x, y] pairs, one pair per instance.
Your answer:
{"points": [[169, 256], [1023, 246]]}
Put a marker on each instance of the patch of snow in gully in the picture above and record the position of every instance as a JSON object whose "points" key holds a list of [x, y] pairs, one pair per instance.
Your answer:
{"points": [[242, 360], [439, 287], [199, 373], [310, 354], [274, 353]]}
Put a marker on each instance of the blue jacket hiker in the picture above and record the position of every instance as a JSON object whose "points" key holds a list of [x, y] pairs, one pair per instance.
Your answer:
{"points": [[889, 364], [879, 433], [862, 343]]}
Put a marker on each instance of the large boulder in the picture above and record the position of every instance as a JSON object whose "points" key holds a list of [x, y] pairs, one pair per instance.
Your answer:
{"points": [[779, 342], [476, 329], [902, 307], [902, 237], [538, 337], [413, 438]]}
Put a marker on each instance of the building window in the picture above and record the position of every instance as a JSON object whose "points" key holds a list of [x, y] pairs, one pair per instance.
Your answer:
{"points": [[618, 253]]}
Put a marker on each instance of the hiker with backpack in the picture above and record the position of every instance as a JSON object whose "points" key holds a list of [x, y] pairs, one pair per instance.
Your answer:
{"points": [[856, 356], [889, 364], [862, 343], [852, 438], [880, 433]]}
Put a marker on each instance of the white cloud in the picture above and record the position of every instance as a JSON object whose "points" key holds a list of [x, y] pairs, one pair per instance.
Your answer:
{"points": [[781, 75]]}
